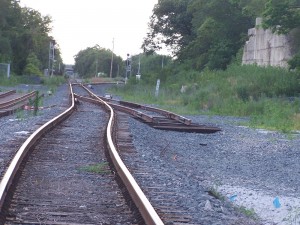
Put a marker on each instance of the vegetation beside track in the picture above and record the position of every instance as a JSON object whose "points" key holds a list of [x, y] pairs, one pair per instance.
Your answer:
{"points": [[268, 96], [48, 81]]}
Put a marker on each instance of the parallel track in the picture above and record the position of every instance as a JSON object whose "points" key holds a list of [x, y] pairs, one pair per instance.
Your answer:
{"points": [[10, 101], [8, 184], [166, 201], [154, 117]]}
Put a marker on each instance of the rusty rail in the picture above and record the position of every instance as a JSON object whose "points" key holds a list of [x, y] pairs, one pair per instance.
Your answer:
{"points": [[147, 211], [4, 94], [15, 101], [13, 168], [165, 113], [121, 108]]}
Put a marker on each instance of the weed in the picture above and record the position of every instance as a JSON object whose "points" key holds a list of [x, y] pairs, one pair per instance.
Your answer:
{"points": [[247, 212], [215, 193], [265, 95], [99, 168], [20, 114]]}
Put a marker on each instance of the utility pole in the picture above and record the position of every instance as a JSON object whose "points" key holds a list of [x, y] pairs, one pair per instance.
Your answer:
{"points": [[139, 69], [96, 74], [51, 57], [128, 67], [112, 59], [138, 76]]}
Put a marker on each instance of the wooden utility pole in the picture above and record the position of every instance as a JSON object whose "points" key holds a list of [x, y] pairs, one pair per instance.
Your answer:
{"points": [[112, 59]]}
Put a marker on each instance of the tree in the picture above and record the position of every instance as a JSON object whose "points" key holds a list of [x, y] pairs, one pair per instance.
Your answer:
{"points": [[23, 31], [207, 33], [169, 25], [281, 16], [32, 65], [95, 59], [253, 8], [221, 29]]}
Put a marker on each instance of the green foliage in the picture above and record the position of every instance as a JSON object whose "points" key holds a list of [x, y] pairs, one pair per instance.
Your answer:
{"points": [[216, 194], [91, 61], [203, 33], [254, 8], [54, 81], [265, 95], [14, 80], [152, 67], [24, 31], [294, 63], [247, 212], [20, 114], [170, 24], [99, 168], [281, 15], [276, 114], [32, 66]]}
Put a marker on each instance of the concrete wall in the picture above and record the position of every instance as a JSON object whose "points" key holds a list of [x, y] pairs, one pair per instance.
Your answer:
{"points": [[265, 48]]}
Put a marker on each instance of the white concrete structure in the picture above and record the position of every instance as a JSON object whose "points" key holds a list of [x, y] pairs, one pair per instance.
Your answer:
{"points": [[265, 48]]}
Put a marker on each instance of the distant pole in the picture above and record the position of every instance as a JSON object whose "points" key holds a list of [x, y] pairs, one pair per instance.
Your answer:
{"points": [[118, 70], [52, 69], [96, 66], [157, 87], [49, 65], [112, 59], [128, 67], [51, 57], [8, 70], [139, 69]]}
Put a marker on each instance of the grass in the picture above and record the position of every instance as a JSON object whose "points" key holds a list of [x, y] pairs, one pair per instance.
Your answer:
{"points": [[98, 168], [48, 81], [20, 114], [250, 213], [268, 96], [216, 194], [53, 82]]}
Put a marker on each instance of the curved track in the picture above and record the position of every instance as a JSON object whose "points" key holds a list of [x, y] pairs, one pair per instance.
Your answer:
{"points": [[154, 117], [58, 184], [11, 101]]}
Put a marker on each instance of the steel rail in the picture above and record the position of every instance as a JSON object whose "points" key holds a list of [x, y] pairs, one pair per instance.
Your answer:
{"points": [[14, 166], [166, 113], [133, 112], [147, 211], [4, 94], [15, 101], [163, 112]]}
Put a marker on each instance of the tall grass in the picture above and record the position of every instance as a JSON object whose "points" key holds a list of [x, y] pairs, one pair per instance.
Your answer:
{"points": [[48, 81], [53, 82], [267, 95]]}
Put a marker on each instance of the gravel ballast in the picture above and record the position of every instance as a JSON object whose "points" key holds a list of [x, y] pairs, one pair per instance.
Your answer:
{"points": [[248, 167]]}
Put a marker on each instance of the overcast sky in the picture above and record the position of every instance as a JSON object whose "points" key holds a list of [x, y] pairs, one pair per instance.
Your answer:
{"points": [[81, 24]]}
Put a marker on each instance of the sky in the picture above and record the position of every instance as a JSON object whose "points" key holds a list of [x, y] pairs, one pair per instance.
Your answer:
{"points": [[79, 24]]}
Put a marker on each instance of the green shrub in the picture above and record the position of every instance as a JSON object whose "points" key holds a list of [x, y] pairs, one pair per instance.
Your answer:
{"points": [[263, 94]]}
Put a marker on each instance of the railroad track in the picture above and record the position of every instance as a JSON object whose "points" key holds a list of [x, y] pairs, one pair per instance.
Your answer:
{"points": [[11, 101], [165, 200], [154, 117], [52, 178]]}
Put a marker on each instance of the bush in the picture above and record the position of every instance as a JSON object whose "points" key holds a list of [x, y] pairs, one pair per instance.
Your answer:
{"points": [[263, 94]]}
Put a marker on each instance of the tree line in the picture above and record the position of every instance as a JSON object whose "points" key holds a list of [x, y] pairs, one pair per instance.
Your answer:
{"points": [[201, 33], [24, 39], [210, 33]]}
